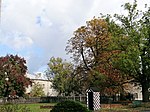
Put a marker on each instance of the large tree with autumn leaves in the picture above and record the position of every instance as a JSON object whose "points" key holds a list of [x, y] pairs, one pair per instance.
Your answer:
{"points": [[113, 51], [92, 52], [12, 76]]}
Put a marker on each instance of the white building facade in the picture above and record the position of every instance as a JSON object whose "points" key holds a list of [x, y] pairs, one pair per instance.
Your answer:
{"points": [[46, 84]]}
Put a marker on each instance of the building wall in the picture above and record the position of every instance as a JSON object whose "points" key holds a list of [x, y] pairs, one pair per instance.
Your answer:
{"points": [[47, 87], [135, 90]]}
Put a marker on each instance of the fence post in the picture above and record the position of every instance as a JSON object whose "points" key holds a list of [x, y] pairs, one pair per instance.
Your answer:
{"points": [[74, 98], [80, 98]]}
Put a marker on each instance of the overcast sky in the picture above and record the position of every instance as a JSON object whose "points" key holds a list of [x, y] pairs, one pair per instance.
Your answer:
{"points": [[39, 29]]}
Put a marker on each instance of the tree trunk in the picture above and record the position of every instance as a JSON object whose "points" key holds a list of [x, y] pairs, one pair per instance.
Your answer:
{"points": [[145, 93]]}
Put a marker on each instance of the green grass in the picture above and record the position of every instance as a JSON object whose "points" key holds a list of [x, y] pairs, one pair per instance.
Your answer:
{"points": [[36, 107]]}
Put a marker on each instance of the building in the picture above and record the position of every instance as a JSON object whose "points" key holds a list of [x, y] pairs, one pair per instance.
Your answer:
{"points": [[40, 79], [136, 90]]}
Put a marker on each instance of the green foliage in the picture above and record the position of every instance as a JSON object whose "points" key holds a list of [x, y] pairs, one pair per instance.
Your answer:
{"points": [[69, 106], [131, 38], [12, 76], [59, 66], [133, 42], [14, 108], [136, 104], [60, 73], [37, 90]]}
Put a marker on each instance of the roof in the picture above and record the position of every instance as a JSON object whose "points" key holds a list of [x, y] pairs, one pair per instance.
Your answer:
{"points": [[38, 75], [93, 89]]}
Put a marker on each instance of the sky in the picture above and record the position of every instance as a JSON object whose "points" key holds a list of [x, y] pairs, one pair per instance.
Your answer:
{"points": [[40, 29]]}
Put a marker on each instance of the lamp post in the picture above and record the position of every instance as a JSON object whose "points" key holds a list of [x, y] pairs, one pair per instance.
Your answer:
{"points": [[6, 79]]}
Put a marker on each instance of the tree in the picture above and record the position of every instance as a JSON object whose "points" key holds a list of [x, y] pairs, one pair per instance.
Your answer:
{"points": [[132, 38], [60, 72], [91, 50], [37, 90], [12, 76]]}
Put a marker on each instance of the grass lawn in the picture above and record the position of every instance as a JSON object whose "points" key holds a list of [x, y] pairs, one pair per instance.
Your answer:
{"points": [[36, 107], [142, 108]]}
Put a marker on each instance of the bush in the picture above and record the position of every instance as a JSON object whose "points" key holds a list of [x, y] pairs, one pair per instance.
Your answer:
{"points": [[136, 103], [69, 106], [13, 108]]}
